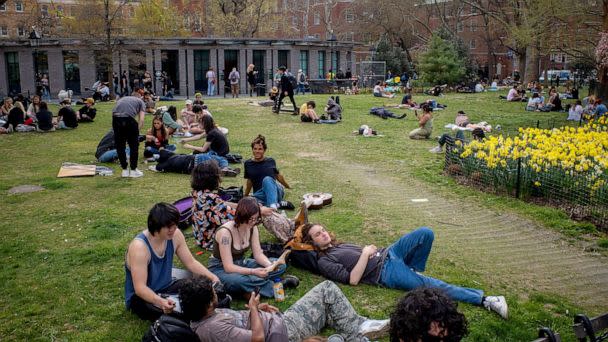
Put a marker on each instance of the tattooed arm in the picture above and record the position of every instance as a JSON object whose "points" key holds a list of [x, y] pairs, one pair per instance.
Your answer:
{"points": [[224, 240]]}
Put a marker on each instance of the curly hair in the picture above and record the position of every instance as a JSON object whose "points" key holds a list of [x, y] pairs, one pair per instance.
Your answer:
{"points": [[195, 296], [259, 140], [412, 318], [206, 176]]}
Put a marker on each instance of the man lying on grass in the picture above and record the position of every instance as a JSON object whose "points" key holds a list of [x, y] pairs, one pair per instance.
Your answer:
{"points": [[396, 267], [149, 262], [324, 305]]}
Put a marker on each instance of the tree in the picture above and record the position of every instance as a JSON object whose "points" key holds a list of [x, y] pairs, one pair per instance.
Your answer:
{"points": [[157, 18], [239, 18], [440, 64], [395, 58]]}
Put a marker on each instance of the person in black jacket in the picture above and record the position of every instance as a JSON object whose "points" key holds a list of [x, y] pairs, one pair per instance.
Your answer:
{"points": [[286, 90]]}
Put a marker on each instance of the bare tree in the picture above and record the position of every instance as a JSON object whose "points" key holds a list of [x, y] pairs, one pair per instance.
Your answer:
{"points": [[239, 18]]}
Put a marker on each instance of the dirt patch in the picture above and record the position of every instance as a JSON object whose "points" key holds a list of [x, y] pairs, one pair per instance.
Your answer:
{"points": [[24, 189]]}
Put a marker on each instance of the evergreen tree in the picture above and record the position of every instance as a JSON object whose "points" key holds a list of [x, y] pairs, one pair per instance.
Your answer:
{"points": [[440, 64], [394, 56]]}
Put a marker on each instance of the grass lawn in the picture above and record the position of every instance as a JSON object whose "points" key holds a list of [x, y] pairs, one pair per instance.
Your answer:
{"points": [[62, 251]]}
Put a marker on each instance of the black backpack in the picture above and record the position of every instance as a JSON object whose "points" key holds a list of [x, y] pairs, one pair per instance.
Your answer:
{"points": [[231, 194], [170, 329], [293, 81]]}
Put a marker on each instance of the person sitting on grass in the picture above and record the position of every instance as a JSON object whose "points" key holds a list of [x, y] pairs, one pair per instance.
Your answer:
{"points": [[67, 118], [427, 314], [215, 141], [554, 104], [15, 117], [513, 95], [187, 115], [149, 263], [406, 101], [477, 134], [44, 118], [380, 92], [198, 99], [157, 137], [425, 123], [169, 118], [462, 120], [323, 306], [333, 109], [399, 266], [263, 177], [307, 112], [238, 273], [87, 113], [600, 109], [535, 103], [576, 111]]}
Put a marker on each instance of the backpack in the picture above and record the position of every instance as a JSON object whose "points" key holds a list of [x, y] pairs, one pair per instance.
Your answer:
{"points": [[184, 206], [233, 77], [170, 329], [302, 78], [293, 81], [231, 194]]}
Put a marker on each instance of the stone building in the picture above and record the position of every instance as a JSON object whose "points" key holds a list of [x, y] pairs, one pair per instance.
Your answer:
{"points": [[74, 64]]}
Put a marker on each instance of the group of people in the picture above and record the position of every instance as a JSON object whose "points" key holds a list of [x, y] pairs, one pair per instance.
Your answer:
{"points": [[15, 118]]}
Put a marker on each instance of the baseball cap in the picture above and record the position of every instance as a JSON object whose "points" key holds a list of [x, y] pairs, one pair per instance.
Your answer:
{"points": [[188, 102]]}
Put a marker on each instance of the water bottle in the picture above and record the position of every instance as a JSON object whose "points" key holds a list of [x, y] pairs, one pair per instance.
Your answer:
{"points": [[277, 289]]}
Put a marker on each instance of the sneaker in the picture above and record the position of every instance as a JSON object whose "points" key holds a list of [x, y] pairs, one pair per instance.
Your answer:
{"points": [[436, 149], [125, 173], [10, 129], [374, 328], [136, 173], [153, 168], [290, 282], [286, 205], [497, 304], [228, 172]]}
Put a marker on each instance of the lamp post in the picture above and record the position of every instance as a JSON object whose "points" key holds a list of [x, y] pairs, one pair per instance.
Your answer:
{"points": [[34, 38]]}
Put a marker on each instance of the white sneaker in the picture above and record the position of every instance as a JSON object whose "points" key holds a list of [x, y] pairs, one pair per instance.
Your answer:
{"points": [[374, 328], [436, 149], [136, 173], [497, 304], [152, 168], [125, 173]]}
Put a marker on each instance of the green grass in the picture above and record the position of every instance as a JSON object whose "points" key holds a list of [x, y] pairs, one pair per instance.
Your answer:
{"points": [[62, 249]]}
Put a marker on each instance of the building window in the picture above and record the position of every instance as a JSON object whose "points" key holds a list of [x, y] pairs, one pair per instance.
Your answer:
{"points": [[294, 21], [317, 19], [321, 64], [3, 7], [18, 6], [21, 31], [473, 44], [12, 72], [304, 61], [44, 10], [349, 36], [317, 36], [459, 26], [349, 16], [3, 31], [473, 26]]}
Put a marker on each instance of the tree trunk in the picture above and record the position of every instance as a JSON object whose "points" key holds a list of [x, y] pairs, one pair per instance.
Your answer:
{"points": [[531, 64], [602, 74], [521, 57]]}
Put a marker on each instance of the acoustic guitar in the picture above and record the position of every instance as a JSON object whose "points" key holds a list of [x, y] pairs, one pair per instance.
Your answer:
{"points": [[317, 200]]}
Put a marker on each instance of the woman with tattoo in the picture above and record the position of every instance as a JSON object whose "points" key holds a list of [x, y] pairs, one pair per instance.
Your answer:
{"points": [[232, 241]]}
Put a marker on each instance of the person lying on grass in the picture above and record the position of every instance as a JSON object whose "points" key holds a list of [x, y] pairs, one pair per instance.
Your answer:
{"points": [[399, 266], [232, 241], [323, 306], [427, 314], [263, 177], [149, 262]]}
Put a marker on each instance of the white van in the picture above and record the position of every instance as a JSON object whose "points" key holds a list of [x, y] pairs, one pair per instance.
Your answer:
{"points": [[552, 74]]}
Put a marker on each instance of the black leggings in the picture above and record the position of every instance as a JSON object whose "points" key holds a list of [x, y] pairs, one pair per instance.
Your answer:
{"points": [[290, 95], [126, 130]]}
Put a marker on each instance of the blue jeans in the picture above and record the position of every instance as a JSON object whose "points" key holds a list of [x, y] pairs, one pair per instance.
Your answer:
{"points": [[111, 156], [241, 283], [409, 255], [210, 88], [211, 155], [154, 150], [271, 192], [300, 89]]}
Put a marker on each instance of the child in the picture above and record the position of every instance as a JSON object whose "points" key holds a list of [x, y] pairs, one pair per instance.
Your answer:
{"points": [[307, 112], [157, 138]]}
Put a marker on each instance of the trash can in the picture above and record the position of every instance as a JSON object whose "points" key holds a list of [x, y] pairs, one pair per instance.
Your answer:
{"points": [[260, 89]]}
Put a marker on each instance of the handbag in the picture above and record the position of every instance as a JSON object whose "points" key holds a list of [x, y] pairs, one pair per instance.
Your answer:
{"points": [[170, 329]]}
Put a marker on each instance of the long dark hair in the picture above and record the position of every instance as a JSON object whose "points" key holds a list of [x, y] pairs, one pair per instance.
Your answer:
{"points": [[245, 209], [207, 123], [173, 112], [306, 238], [162, 130]]}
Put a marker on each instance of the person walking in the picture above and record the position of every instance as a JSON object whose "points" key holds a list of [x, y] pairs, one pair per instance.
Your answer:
{"points": [[301, 82], [286, 90], [234, 79], [211, 81], [127, 120]]}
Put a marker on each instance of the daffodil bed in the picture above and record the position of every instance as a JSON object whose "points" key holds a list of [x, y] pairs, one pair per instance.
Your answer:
{"points": [[564, 165]]}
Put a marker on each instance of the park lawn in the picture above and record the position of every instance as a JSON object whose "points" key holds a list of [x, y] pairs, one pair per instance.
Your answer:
{"points": [[63, 248]]}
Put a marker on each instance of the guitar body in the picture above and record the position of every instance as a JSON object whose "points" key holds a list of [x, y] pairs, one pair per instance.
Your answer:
{"points": [[317, 200]]}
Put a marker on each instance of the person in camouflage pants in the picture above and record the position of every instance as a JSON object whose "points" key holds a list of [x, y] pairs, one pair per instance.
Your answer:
{"points": [[323, 306]]}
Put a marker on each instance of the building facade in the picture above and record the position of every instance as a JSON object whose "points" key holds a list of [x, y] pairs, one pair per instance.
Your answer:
{"points": [[76, 65]]}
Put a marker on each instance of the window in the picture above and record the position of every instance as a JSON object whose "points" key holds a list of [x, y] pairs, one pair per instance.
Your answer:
{"points": [[294, 21], [317, 19], [349, 16], [44, 10], [304, 61], [18, 6], [317, 36], [349, 36], [459, 26], [12, 72], [3, 7], [473, 26], [21, 31], [473, 44], [321, 64], [3, 31]]}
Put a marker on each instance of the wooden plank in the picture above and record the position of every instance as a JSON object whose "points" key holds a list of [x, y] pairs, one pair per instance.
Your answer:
{"points": [[76, 170]]}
